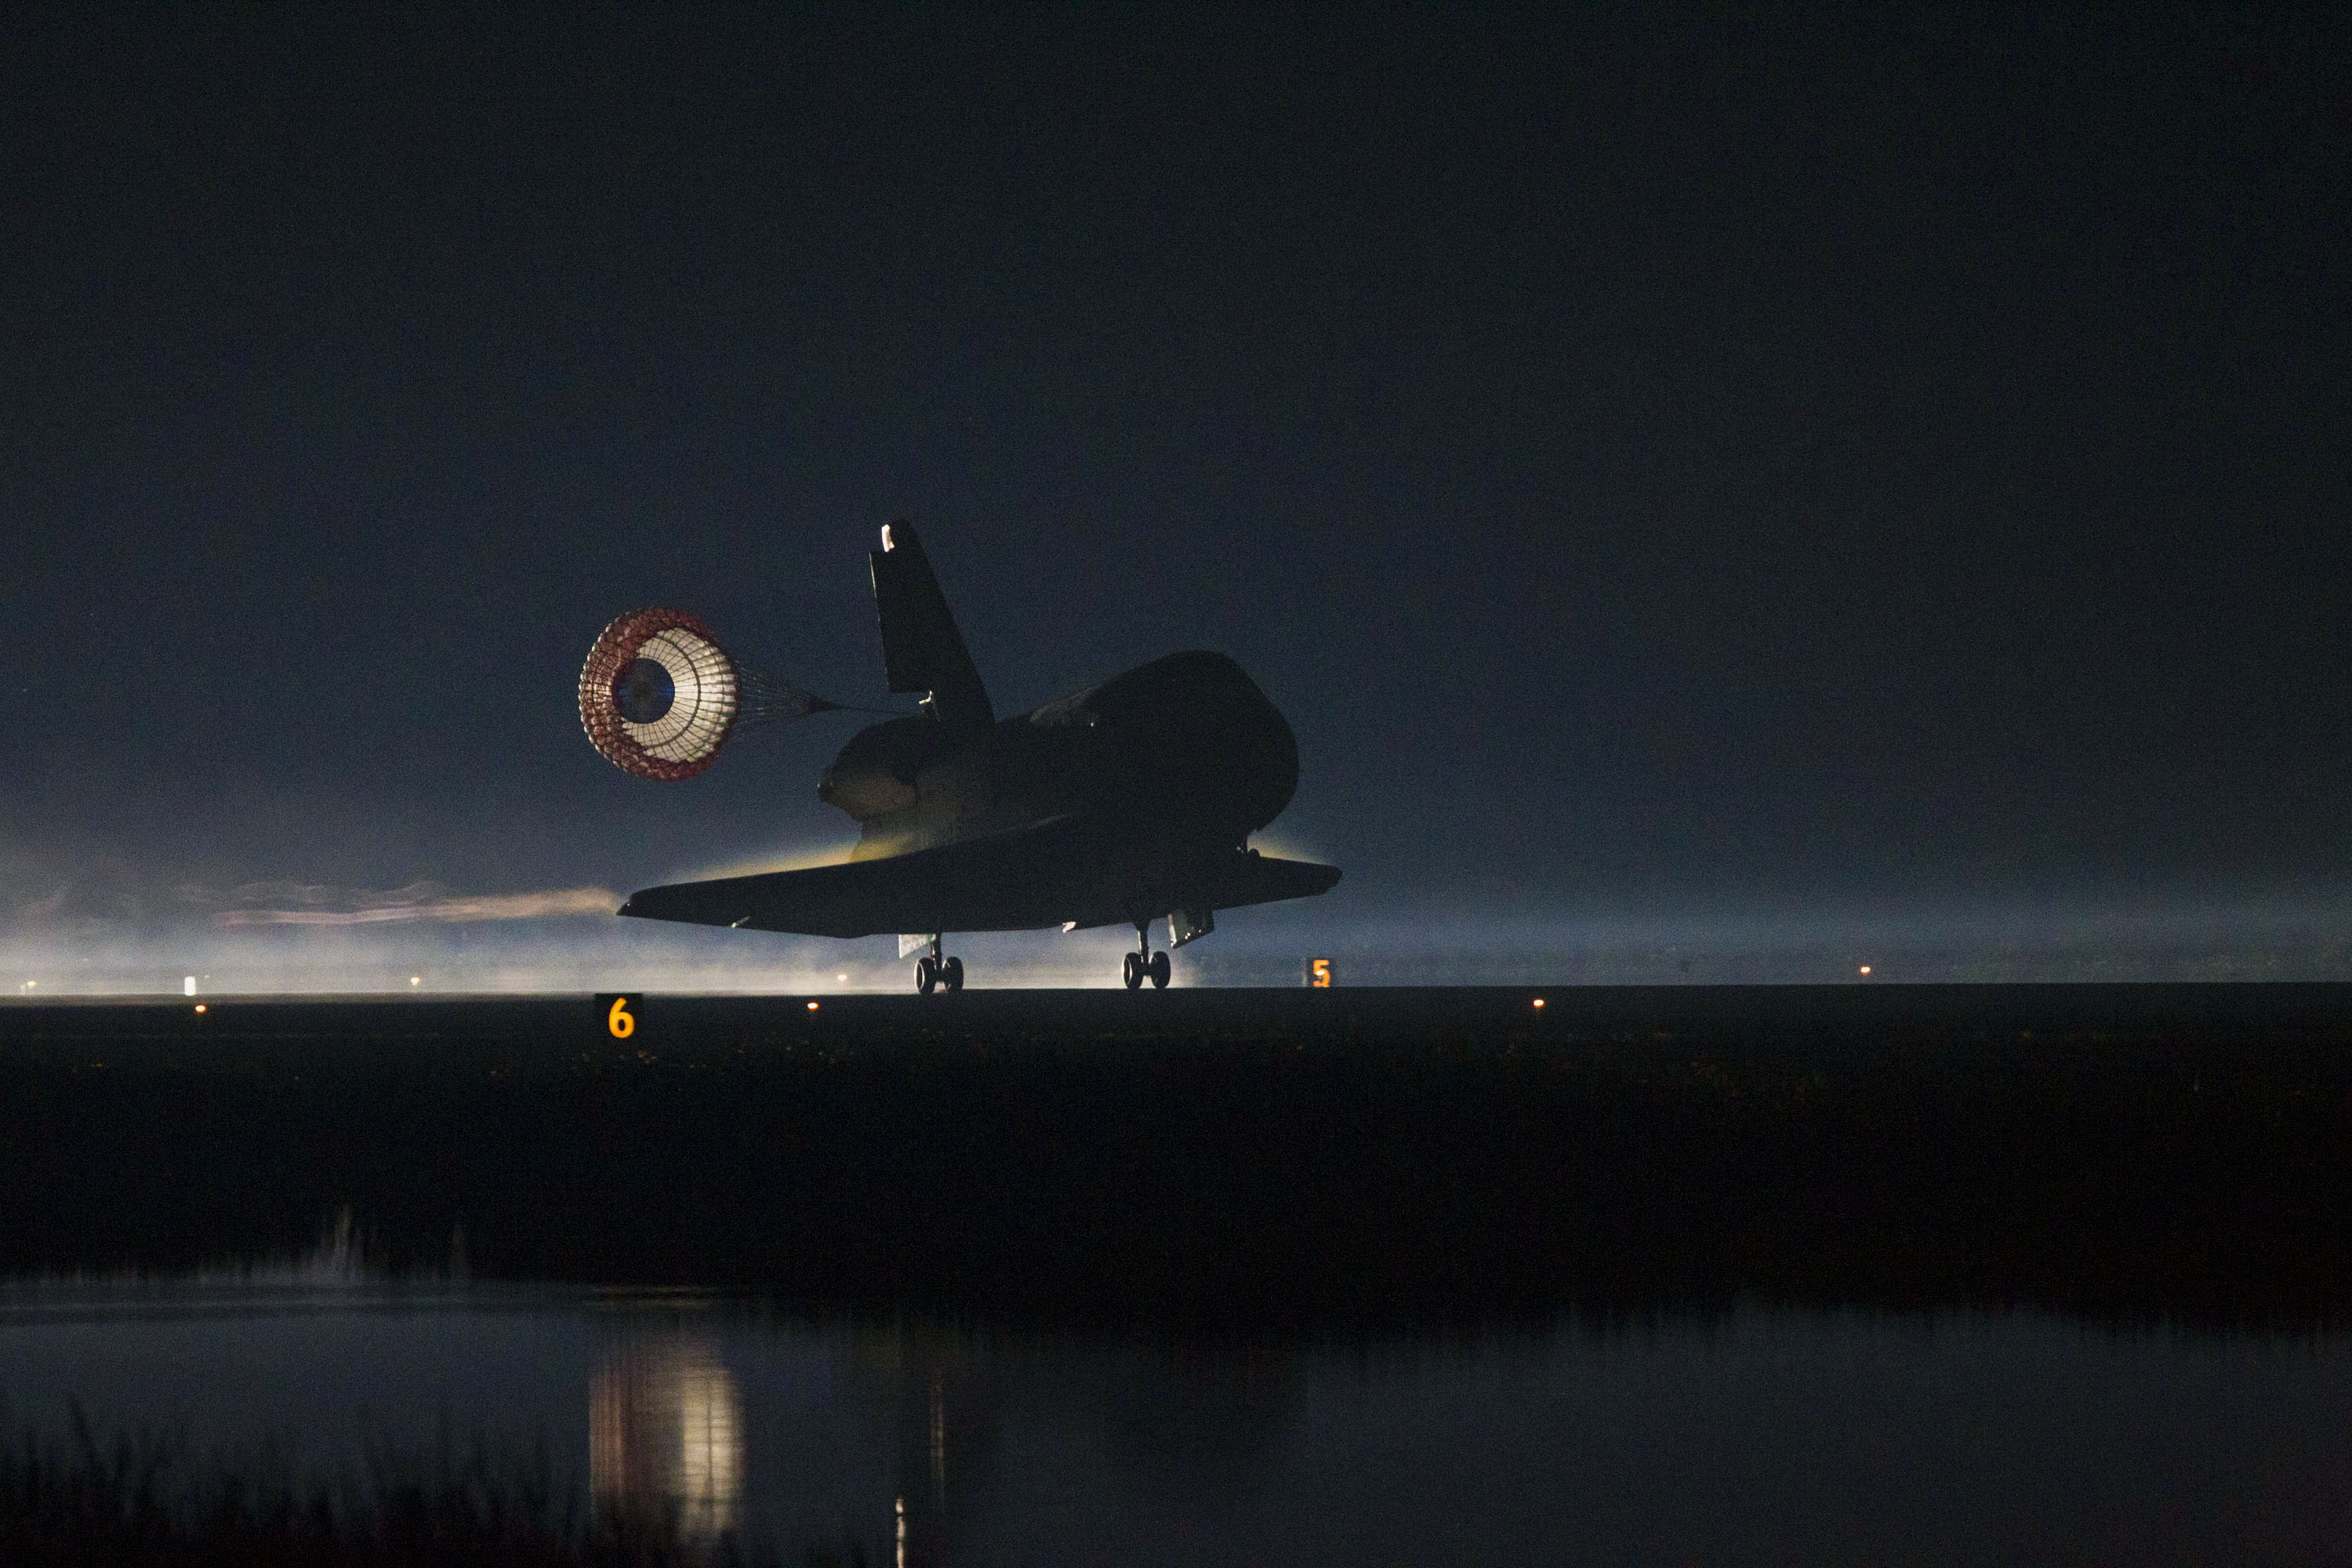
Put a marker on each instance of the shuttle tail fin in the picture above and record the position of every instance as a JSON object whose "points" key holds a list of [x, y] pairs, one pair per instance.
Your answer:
{"points": [[921, 650]]}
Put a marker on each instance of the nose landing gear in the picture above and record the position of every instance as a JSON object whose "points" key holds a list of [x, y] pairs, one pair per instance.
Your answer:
{"points": [[936, 970], [1144, 963]]}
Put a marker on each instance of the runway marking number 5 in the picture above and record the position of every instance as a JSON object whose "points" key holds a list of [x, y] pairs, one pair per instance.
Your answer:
{"points": [[620, 1020]]}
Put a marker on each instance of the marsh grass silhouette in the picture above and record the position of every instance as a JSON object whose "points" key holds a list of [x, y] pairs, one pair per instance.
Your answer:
{"points": [[142, 1499]]}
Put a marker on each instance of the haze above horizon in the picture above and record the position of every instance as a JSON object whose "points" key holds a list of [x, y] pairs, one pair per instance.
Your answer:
{"points": [[1675, 475]]}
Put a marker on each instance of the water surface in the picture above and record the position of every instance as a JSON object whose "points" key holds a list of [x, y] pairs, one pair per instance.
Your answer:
{"points": [[1753, 1434]]}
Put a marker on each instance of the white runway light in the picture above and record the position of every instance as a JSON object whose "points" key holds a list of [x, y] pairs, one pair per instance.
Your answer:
{"points": [[188, 987]]}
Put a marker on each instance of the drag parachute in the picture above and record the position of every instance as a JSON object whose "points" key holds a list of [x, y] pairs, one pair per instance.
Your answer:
{"points": [[658, 696]]}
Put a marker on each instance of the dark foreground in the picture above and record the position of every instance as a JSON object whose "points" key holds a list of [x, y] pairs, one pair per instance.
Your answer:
{"points": [[140, 1502], [1235, 1159]]}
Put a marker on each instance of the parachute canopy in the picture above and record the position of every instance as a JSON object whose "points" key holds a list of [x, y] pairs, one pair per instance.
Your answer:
{"points": [[658, 696]]}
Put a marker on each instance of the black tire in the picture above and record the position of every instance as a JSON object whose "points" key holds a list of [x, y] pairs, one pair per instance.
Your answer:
{"points": [[952, 973], [1133, 972], [926, 975], [1159, 967]]}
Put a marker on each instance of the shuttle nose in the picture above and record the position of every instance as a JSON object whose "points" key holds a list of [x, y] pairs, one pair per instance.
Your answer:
{"points": [[1214, 752], [1264, 765]]}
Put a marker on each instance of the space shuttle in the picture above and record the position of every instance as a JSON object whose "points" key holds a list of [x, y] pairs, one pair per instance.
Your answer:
{"points": [[1127, 803]]}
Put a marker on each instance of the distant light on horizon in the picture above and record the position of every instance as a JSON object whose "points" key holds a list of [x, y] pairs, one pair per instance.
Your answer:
{"points": [[1865, 968], [812, 1006], [1538, 1001]]}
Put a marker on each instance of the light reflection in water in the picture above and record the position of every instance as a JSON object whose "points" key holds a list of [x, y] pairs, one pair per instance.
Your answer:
{"points": [[665, 1436], [1796, 1436]]}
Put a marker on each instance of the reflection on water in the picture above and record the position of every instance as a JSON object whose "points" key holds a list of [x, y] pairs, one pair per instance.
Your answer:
{"points": [[929, 1384], [1748, 1435], [665, 1435]]}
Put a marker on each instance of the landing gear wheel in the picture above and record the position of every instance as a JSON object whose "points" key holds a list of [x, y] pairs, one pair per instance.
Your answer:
{"points": [[952, 973], [1134, 969], [1158, 967], [927, 974]]}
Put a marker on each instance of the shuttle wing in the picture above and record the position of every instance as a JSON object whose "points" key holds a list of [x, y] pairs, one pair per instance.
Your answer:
{"points": [[1065, 870]]}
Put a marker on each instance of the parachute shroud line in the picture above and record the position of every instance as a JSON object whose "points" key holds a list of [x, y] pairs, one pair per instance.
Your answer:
{"points": [[658, 696]]}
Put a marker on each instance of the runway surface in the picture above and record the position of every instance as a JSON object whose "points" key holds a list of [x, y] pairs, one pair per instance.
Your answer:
{"points": [[1225, 1157]]}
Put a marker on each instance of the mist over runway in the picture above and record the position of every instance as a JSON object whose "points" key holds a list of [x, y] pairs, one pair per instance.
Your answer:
{"points": [[444, 943]]}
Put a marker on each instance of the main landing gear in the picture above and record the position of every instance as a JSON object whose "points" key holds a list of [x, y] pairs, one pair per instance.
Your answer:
{"points": [[934, 970], [1143, 961]]}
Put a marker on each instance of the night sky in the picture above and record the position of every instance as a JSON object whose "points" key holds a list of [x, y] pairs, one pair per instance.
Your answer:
{"points": [[1664, 468]]}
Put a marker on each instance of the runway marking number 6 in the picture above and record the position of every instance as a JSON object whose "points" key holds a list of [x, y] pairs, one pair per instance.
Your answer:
{"points": [[620, 1020]]}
